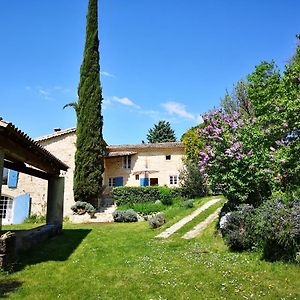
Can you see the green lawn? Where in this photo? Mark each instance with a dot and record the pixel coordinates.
(125, 261)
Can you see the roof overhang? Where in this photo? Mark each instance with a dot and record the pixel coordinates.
(120, 153)
(19, 149)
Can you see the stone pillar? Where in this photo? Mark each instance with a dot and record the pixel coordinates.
(55, 201)
(1, 177)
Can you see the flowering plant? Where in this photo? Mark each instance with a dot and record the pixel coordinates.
(235, 159)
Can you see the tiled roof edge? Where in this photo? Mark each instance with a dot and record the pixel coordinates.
(55, 134)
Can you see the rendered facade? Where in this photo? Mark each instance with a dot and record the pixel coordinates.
(128, 165)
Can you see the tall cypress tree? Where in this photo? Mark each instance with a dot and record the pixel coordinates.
(89, 162)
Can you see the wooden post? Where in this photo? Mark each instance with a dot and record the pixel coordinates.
(1, 176)
(55, 201)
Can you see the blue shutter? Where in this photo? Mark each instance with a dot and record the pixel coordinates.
(12, 180)
(144, 181)
(118, 181)
(21, 208)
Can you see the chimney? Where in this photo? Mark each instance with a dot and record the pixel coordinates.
(57, 129)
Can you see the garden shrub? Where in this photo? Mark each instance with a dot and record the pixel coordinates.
(235, 159)
(188, 203)
(125, 216)
(126, 194)
(278, 229)
(81, 207)
(157, 220)
(237, 228)
(166, 196)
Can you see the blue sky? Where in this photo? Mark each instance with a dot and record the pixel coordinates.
(160, 59)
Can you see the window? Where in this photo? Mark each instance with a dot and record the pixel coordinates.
(173, 179)
(127, 162)
(168, 157)
(153, 181)
(137, 177)
(5, 176)
(6, 204)
(111, 182)
(115, 181)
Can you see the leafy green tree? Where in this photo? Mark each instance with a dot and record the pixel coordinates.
(161, 133)
(192, 143)
(289, 150)
(90, 146)
(238, 100)
(248, 158)
(192, 180)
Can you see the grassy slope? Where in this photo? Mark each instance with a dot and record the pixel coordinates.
(125, 261)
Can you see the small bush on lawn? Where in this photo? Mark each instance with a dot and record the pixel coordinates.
(157, 220)
(126, 194)
(237, 228)
(188, 203)
(125, 216)
(81, 207)
(278, 229)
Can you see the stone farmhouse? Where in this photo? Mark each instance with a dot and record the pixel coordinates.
(125, 165)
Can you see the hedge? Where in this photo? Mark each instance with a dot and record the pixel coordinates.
(142, 194)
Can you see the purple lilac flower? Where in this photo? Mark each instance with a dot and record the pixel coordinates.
(235, 115)
(234, 125)
(228, 151)
(204, 117)
(250, 153)
(241, 122)
(236, 146)
(228, 120)
(239, 156)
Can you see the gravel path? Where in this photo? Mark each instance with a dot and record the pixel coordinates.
(187, 219)
(202, 225)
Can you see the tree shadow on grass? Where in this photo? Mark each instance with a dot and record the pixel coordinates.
(57, 248)
(7, 286)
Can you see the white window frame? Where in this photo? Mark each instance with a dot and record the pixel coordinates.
(6, 209)
(173, 180)
(127, 162)
(111, 181)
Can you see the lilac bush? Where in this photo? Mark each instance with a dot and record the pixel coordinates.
(235, 159)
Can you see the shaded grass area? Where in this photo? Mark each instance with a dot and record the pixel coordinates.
(125, 261)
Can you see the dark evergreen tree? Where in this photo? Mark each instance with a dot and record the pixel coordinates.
(161, 133)
(90, 147)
